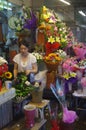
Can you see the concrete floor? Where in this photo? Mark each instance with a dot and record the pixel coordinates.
(19, 123)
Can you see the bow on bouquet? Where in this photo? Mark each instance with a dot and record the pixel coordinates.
(68, 116)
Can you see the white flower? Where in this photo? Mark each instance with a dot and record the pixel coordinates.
(36, 84)
(27, 83)
(3, 61)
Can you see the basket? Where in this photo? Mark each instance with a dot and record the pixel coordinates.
(51, 66)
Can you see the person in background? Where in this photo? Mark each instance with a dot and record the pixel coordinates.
(24, 61)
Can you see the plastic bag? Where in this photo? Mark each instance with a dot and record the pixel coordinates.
(41, 77)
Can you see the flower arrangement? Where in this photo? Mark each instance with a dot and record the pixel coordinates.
(55, 31)
(23, 86)
(70, 64)
(4, 73)
(26, 21)
(52, 60)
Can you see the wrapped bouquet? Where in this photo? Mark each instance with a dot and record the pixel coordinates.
(52, 61)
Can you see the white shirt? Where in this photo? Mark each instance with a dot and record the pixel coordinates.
(22, 66)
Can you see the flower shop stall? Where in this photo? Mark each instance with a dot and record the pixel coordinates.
(7, 93)
(57, 40)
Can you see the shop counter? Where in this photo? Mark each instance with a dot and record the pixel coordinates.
(6, 113)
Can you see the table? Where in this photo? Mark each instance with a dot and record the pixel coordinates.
(79, 98)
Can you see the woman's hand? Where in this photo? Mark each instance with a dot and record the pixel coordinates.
(27, 72)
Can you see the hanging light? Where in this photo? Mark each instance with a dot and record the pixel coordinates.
(64, 1)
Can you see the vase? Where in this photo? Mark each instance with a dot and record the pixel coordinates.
(52, 67)
(37, 96)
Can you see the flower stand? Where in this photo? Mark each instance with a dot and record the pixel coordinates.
(51, 77)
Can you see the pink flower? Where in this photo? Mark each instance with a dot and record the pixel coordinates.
(83, 81)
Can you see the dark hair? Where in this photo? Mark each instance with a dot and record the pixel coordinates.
(25, 43)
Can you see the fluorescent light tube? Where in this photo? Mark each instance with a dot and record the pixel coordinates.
(64, 1)
(82, 13)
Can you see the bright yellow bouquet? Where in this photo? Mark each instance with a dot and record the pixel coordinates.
(52, 60)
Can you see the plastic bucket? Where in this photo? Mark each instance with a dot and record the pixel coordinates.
(29, 111)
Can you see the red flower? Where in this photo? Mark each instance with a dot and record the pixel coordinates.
(49, 48)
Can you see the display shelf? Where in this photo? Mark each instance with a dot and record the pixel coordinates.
(6, 95)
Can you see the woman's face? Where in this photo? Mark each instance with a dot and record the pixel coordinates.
(23, 50)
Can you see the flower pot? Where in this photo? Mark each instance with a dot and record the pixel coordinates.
(37, 96)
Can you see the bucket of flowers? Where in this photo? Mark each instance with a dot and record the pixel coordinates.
(4, 73)
(52, 60)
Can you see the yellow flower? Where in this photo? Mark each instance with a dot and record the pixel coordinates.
(66, 76)
(57, 39)
(72, 74)
(51, 39)
(63, 40)
(8, 75)
(44, 9)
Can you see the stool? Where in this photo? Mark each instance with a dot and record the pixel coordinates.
(40, 107)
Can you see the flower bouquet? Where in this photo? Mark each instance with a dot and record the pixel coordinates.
(55, 31)
(70, 64)
(52, 60)
(68, 116)
(80, 50)
(4, 73)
